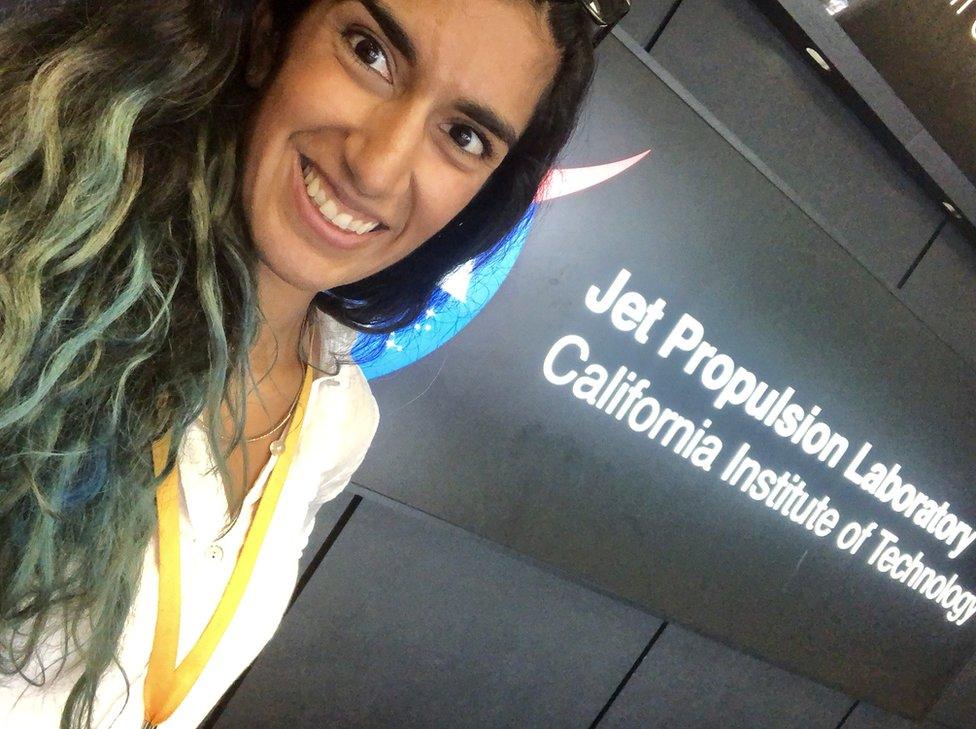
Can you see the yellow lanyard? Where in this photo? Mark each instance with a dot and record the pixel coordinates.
(166, 684)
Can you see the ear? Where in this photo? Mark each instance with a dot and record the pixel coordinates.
(261, 45)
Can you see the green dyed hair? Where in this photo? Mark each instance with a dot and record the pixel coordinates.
(127, 299)
(127, 302)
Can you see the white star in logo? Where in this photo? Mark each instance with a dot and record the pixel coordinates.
(457, 282)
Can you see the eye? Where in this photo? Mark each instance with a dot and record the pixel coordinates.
(368, 51)
(469, 140)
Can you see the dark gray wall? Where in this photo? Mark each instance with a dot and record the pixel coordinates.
(412, 622)
(701, 227)
(925, 52)
(775, 102)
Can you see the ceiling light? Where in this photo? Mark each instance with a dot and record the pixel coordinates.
(821, 61)
(835, 6)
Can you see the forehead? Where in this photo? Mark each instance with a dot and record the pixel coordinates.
(497, 52)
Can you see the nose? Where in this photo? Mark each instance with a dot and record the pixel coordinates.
(382, 152)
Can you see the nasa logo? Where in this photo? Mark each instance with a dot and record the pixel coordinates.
(465, 291)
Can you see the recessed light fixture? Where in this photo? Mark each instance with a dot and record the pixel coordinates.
(835, 6)
(815, 55)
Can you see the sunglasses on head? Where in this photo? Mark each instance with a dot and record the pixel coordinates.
(604, 13)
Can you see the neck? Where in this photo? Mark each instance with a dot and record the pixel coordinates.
(274, 357)
(284, 309)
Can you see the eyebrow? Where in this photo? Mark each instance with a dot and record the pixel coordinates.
(480, 113)
(489, 119)
(392, 28)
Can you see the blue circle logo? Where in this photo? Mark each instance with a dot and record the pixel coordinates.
(465, 291)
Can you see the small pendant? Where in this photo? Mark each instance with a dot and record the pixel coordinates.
(277, 447)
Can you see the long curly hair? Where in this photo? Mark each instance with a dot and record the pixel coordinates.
(127, 296)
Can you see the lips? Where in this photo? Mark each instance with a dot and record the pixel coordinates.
(324, 231)
(354, 209)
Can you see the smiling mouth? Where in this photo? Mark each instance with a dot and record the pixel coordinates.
(335, 212)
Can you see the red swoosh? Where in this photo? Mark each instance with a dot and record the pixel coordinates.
(568, 180)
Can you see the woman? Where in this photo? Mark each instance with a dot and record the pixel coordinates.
(201, 203)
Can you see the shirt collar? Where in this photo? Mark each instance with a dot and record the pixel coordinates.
(321, 447)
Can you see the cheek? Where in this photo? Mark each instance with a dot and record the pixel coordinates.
(255, 155)
(432, 211)
(443, 199)
(428, 218)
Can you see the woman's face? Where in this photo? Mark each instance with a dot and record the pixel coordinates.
(386, 117)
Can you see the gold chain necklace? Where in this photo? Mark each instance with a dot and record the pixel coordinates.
(276, 446)
(291, 410)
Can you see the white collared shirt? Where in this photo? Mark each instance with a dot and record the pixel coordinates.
(339, 424)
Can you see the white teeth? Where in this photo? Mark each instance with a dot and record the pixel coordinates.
(330, 208)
